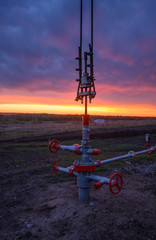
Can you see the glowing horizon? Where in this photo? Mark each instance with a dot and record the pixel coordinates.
(122, 110)
(37, 61)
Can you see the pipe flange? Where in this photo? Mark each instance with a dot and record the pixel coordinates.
(82, 168)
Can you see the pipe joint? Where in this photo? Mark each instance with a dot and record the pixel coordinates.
(98, 184)
(132, 154)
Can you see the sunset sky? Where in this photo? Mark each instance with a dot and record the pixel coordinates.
(39, 42)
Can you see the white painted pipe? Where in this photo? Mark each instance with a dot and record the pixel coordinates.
(66, 170)
(130, 155)
(98, 178)
(112, 159)
(68, 148)
(78, 149)
(146, 151)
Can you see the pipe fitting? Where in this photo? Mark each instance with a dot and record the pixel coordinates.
(132, 154)
(98, 184)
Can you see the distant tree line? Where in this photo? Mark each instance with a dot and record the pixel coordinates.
(39, 118)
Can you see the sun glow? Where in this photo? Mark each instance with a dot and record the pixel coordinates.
(124, 110)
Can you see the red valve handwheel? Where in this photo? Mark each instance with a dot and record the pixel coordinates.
(54, 145)
(117, 182)
(55, 167)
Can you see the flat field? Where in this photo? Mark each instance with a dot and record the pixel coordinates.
(33, 205)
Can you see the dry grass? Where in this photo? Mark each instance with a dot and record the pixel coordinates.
(38, 127)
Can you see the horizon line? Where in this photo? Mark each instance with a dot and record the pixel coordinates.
(109, 110)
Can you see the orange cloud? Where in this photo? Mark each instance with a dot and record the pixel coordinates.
(65, 104)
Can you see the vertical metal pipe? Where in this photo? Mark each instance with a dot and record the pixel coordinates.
(81, 5)
(85, 105)
(92, 24)
(84, 196)
(91, 48)
(81, 24)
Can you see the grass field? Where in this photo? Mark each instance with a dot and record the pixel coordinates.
(36, 206)
(34, 155)
(14, 126)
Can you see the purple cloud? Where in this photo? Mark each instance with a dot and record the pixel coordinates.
(39, 40)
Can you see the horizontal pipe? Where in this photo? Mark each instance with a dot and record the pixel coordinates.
(98, 178)
(61, 169)
(112, 159)
(66, 170)
(68, 148)
(130, 155)
(78, 149)
(145, 151)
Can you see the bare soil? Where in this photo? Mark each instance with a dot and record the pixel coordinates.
(35, 206)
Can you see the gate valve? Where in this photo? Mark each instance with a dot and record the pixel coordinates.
(115, 183)
(98, 184)
(54, 146)
(55, 167)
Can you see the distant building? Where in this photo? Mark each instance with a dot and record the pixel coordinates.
(99, 121)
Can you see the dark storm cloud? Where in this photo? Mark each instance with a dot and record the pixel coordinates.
(39, 40)
(34, 42)
(127, 39)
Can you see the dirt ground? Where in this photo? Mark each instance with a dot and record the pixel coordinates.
(35, 206)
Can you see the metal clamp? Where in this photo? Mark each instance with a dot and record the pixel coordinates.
(132, 154)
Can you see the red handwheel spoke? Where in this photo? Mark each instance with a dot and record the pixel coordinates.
(114, 183)
(118, 187)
